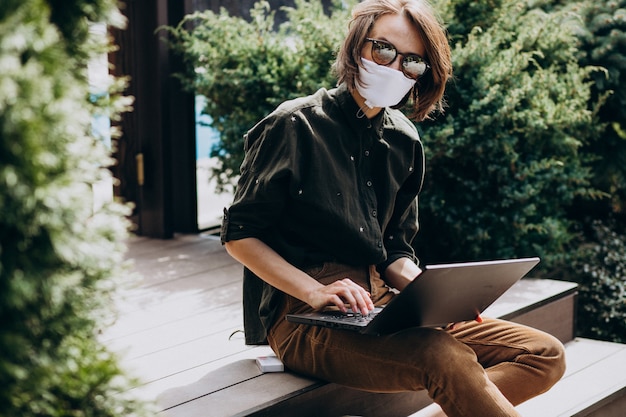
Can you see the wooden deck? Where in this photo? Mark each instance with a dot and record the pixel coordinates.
(180, 319)
(179, 316)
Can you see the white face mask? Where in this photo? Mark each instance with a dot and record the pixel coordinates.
(382, 86)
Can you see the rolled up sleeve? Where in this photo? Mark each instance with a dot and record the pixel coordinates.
(262, 187)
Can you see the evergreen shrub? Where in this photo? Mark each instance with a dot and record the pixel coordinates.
(603, 37)
(504, 162)
(599, 267)
(599, 255)
(59, 253)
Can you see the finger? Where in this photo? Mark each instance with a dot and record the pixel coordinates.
(359, 299)
(337, 301)
(348, 297)
(343, 293)
(360, 305)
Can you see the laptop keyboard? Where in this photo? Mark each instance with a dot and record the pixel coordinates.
(356, 318)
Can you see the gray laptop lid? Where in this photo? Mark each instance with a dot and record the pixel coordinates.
(440, 295)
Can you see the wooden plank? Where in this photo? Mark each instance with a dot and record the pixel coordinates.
(223, 378)
(175, 333)
(244, 396)
(584, 353)
(528, 294)
(612, 406)
(600, 376)
(176, 320)
(155, 389)
(544, 304)
(155, 297)
(556, 318)
(170, 308)
(141, 246)
(192, 275)
(337, 400)
(183, 357)
(175, 261)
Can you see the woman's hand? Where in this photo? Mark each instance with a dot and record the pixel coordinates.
(341, 293)
(276, 271)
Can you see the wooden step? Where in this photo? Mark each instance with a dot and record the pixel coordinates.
(544, 304)
(177, 333)
(240, 389)
(594, 384)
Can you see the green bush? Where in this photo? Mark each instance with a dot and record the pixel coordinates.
(599, 257)
(599, 267)
(245, 69)
(604, 45)
(504, 163)
(529, 159)
(59, 253)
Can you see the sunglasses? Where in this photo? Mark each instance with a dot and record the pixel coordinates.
(383, 53)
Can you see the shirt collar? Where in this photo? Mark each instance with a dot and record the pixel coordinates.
(352, 111)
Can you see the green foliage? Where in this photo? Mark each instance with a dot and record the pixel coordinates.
(604, 42)
(59, 253)
(599, 267)
(604, 45)
(245, 69)
(504, 162)
(464, 15)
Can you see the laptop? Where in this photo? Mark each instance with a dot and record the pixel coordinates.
(440, 295)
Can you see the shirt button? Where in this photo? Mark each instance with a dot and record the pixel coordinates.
(361, 229)
(367, 153)
(369, 183)
(379, 244)
(374, 213)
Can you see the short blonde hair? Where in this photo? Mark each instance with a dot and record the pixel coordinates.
(427, 94)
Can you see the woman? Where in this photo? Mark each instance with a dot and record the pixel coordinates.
(325, 213)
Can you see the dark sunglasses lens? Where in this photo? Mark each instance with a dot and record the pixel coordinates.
(414, 66)
(383, 53)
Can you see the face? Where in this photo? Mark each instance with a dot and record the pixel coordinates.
(397, 30)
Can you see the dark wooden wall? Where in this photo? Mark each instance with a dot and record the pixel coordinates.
(161, 126)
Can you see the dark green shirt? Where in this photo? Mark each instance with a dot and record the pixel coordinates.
(320, 184)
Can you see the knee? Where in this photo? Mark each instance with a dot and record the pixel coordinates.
(555, 352)
(549, 358)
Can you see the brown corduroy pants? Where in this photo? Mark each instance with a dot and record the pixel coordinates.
(477, 369)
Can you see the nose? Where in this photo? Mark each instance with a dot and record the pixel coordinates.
(397, 62)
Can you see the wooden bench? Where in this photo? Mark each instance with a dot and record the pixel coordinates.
(594, 384)
(176, 332)
(240, 389)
